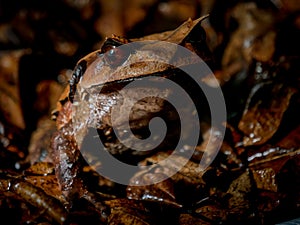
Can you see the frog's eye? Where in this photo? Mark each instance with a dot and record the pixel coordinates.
(106, 47)
(116, 56)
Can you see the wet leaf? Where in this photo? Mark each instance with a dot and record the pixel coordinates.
(264, 111)
(191, 172)
(40, 168)
(162, 191)
(48, 183)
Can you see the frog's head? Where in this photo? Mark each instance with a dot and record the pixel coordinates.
(117, 61)
(91, 69)
(122, 60)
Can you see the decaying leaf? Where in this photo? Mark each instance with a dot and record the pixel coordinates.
(264, 111)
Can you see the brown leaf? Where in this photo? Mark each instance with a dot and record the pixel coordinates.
(265, 179)
(240, 191)
(264, 110)
(187, 219)
(49, 184)
(291, 140)
(10, 101)
(126, 211)
(161, 192)
(40, 168)
(187, 171)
